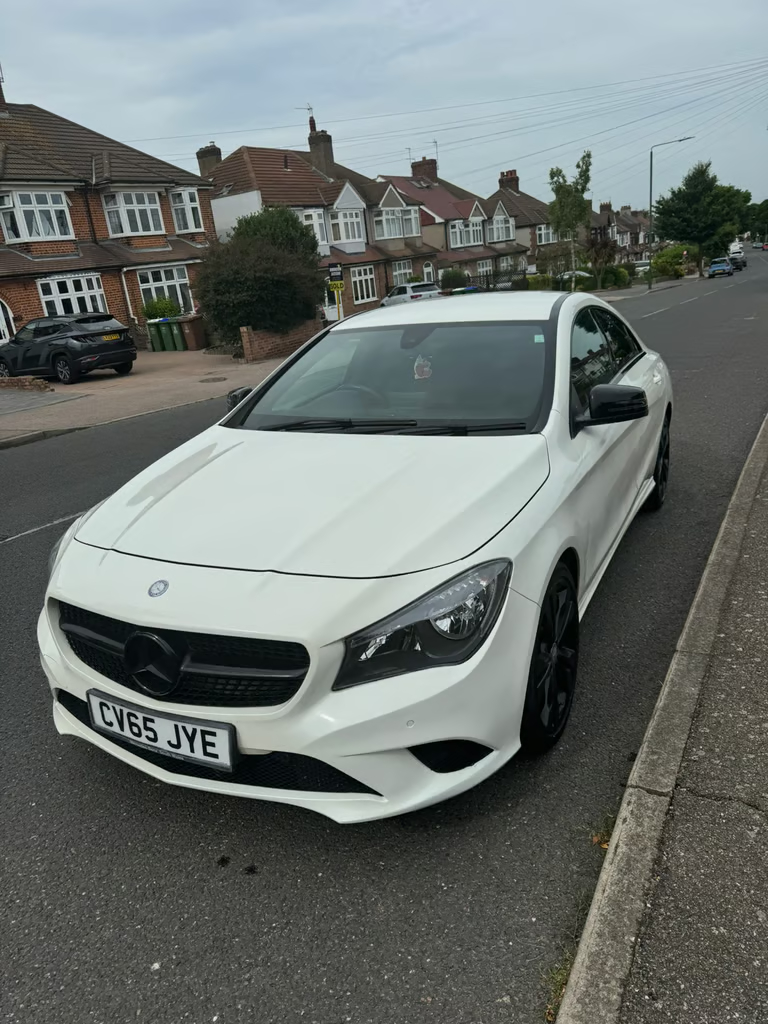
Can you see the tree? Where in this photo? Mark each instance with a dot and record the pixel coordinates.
(570, 210)
(757, 220)
(248, 281)
(601, 253)
(281, 228)
(453, 277)
(555, 258)
(701, 212)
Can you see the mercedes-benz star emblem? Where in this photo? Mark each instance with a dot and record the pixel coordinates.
(158, 588)
(153, 663)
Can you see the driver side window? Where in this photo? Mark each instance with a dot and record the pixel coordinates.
(26, 333)
(591, 360)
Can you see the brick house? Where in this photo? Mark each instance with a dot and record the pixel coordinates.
(627, 227)
(467, 232)
(89, 224)
(531, 215)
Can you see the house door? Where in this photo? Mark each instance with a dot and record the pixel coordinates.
(7, 329)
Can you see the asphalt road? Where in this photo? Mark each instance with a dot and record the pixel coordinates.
(129, 900)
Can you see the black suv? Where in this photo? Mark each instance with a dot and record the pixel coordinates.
(67, 347)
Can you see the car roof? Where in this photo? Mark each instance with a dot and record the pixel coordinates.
(535, 305)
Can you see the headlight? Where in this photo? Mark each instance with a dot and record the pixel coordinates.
(445, 627)
(55, 554)
(68, 535)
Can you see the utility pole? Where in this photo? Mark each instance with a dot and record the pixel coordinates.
(671, 142)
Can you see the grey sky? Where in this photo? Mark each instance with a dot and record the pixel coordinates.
(153, 69)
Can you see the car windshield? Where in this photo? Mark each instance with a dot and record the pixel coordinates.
(439, 378)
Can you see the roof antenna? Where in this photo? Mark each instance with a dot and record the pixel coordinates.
(410, 158)
(2, 79)
(434, 143)
(310, 111)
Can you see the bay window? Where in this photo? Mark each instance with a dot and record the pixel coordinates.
(545, 234)
(315, 219)
(73, 293)
(501, 229)
(363, 284)
(402, 270)
(166, 283)
(389, 223)
(34, 216)
(346, 225)
(484, 268)
(133, 213)
(466, 232)
(186, 211)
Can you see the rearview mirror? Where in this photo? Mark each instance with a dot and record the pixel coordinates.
(614, 403)
(234, 398)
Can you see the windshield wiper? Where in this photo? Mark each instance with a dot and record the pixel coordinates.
(461, 429)
(341, 424)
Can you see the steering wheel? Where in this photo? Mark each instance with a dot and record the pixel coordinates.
(370, 393)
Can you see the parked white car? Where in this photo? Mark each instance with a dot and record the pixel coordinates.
(414, 290)
(420, 504)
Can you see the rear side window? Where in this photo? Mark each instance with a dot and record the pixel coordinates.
(591, 359)
(424, 287)
(623, 343)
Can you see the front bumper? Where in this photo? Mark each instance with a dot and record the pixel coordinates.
(365, 733)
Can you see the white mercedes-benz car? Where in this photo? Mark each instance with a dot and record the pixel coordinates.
(360, 592)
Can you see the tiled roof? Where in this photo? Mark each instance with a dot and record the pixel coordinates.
(369, 255)
(443, 199)
(475, 252)
(527, 210)
(282, 177)
(40, 146)
(96, 256)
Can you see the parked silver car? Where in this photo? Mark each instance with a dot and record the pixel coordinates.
(413, 290)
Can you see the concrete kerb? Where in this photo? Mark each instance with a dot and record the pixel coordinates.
(604, 958)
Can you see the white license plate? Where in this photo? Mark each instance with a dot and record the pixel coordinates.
(190, 739)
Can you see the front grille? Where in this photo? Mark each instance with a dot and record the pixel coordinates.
(217, 671)
(278, 770)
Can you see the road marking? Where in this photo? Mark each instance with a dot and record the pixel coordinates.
(662, 310)
(689, 300)
(45, 526)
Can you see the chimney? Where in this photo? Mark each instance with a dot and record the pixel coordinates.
(626, 209)
(509, 179)
(606, 207)
(207, 158)
(425, 168)
(321, 150)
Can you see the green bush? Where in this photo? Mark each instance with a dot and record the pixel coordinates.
(609, 277)
(586, 284)
(539, 282)
(453, 278)
(670, 262)
(157, 309)
(631, 270)
(622, 276)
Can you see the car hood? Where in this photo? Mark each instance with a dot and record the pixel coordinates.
(324, 504)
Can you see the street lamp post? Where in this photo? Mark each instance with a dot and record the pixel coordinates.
(671, 142)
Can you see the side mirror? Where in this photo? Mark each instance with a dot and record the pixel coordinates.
(234, 398)
(614, 403)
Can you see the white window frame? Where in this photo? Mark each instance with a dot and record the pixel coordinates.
(484, 268)
(476, 231)
(35, 216)
(315, 219)
(402, 271)
(466, 232)
(127, 206)
(70, 294)
(185, 207)
(166, 283)
(7, 324)
(505, 263)
(390, 222)
(363, 284)
(545, 234)
(347, 226)
(501, 229)
(428, 273)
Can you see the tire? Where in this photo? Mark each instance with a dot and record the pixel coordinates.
(64, 369)
(5, 370)
(658, 495)
(123, 369)
(554, 663)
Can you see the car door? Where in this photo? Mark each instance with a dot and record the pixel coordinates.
(35, 359)
(606, 486)
(17, 349)
(641, 369)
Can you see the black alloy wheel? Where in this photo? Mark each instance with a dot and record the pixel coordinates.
(5, 370)
(64, 370)
(552, 675)
(658, 495)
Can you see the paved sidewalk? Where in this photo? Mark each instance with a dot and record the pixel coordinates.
(160, 380)
(678, 928)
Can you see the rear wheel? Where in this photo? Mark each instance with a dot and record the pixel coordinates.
(552, 675)
(658, 495)
(64, 369)
(123, 368)
(5, 370)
